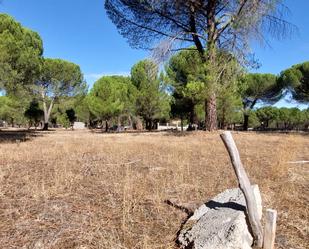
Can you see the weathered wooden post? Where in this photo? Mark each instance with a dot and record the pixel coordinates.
(245, 186)
(270, 229)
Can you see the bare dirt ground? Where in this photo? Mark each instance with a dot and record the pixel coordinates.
(72, 189)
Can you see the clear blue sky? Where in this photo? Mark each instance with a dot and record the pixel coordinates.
(79, 31)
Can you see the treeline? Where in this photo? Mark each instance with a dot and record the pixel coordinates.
(283, 118)
(42, 91)
(273, 118)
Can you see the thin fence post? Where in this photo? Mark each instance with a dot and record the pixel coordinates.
(270, 229)
(245, 186)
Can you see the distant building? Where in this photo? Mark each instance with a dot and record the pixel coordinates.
(79, 125)
(173, 125)
(3, 123)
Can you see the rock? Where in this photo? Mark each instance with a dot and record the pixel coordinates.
(220, 223)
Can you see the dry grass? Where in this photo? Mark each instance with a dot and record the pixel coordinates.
(85, 190)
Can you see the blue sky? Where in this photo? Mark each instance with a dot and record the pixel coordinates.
(79, 31)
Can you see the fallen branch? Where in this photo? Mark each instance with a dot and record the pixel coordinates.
(182, 207)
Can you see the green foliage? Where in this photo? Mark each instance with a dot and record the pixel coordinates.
(63, 120)
(111, 96)
(228, 106)
(71, 115)
(199, 110)
(266, 115)
(254, 88)
(194, 91)
(152, 101)
(282, 118)
(296, 79)
(191, 78)
(20, 54)
(64, 113)
(289, 118)
(60, 78)
(143, 74)
(180, 69)
(6, 108)
(229, 102)
(259, 87)
(12, 109)
(34, 113)
(253, 119)
(82, 110)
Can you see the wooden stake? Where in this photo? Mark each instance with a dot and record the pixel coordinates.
(270, 229)
(245, 186)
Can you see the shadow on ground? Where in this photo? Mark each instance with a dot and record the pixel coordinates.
(136, 132)
(290, 132)
(175, 133)
(19, 136)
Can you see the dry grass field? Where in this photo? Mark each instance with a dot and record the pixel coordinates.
(77, 189)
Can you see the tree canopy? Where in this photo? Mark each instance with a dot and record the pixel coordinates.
(191, 89)
(180, 70)
(111, 96)
(230, 24)
(266, 115)
(20, 54)
(296, 79)
(152, 102)
(258, 87)
(34, 113)
(58, 78)
(12, 109)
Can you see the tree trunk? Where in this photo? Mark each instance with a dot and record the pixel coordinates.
(45, 127)
(246, 115)
(47, 113)
(148, 124)
(211, 113)
(210, 58)
(211, 107)
(246, 122)
(118, 124)
(192, 115)
(223, 123)
(106, 125)
(181, 123)
(130, 121)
